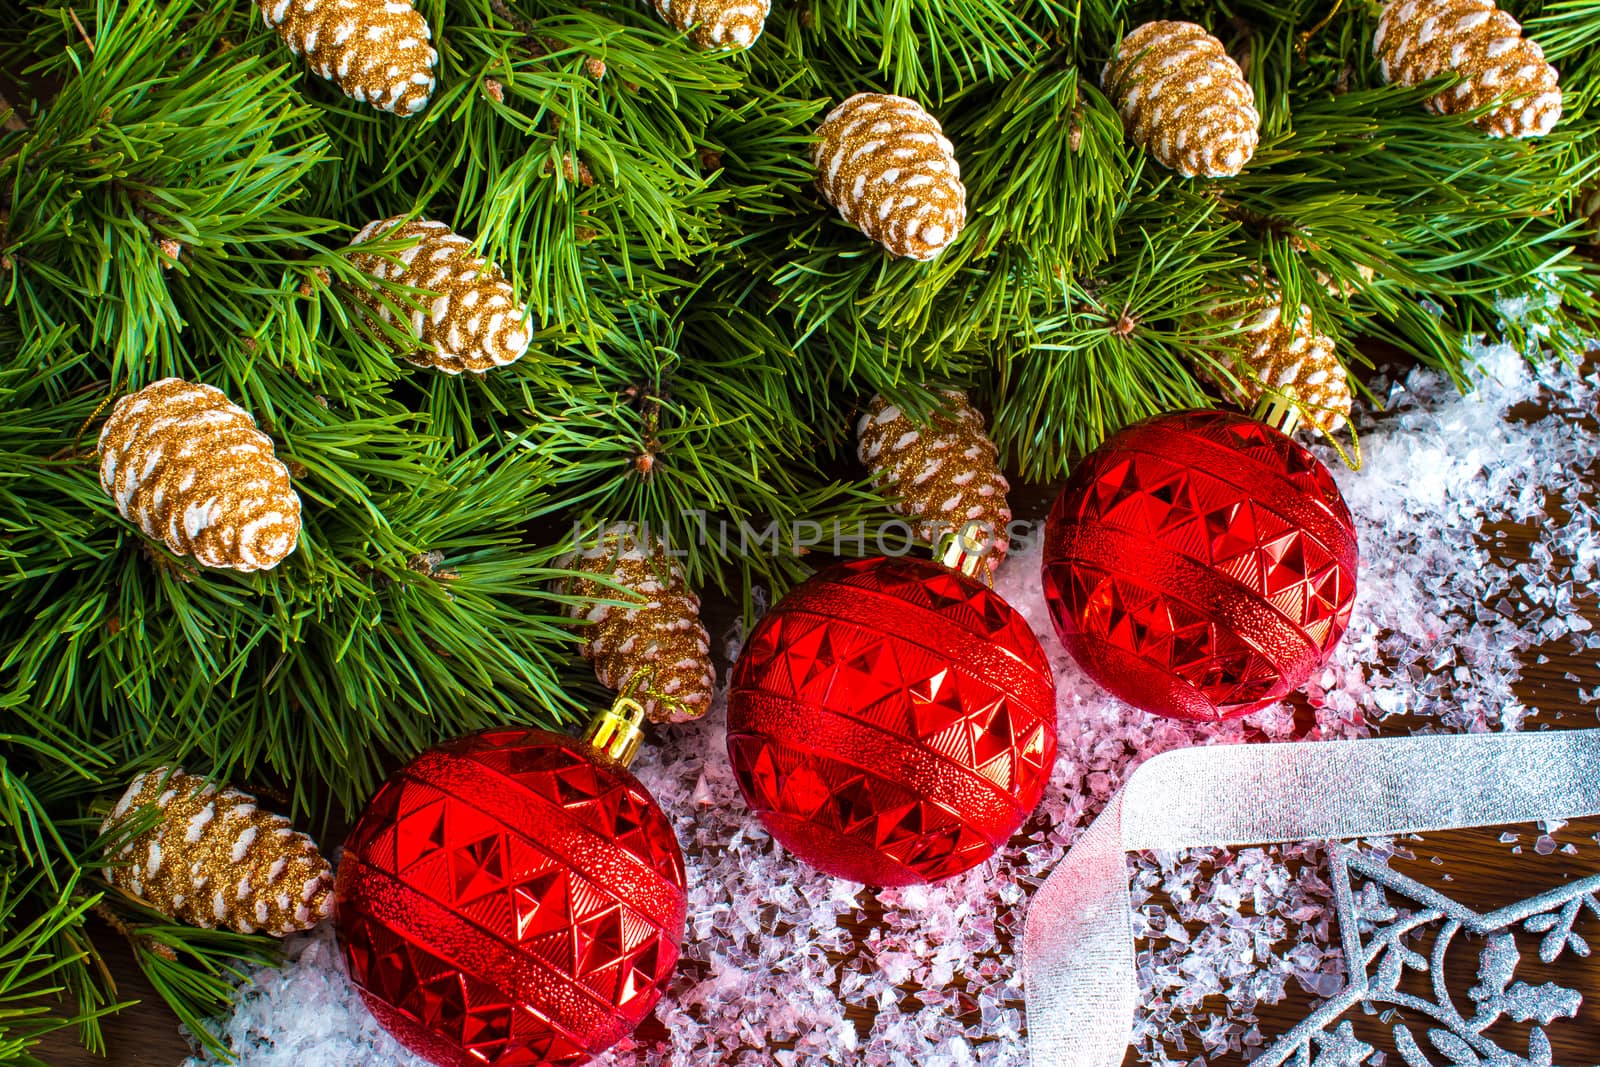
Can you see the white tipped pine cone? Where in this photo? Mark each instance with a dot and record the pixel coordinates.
(710, 24)
(375, 51)
(474, 323)
(1418, 40)
(945, 472)
(887, 166)
(659, 641)
(1277, 357)
(1184, 99)
(215, 859)
(191, 469)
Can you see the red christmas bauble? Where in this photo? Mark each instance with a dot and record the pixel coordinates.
(892, 721)
(1200, 565)
(511, 898)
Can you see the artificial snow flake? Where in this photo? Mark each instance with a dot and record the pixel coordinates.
(1375, 931)
(1341, 1048)
(1557, 928)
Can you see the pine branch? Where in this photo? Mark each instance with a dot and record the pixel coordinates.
(693, 429)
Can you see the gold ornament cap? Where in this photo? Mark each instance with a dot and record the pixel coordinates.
(967, 552)
(618, 731)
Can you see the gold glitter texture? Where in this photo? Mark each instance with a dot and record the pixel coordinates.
(945, 473)
(375, 51)
(474, 322)
(887, 166)
(1184, 99)
(717, 24)
(1421, 39)
(191, 469)
(1274, 355)
(657, 642)
(215, 859)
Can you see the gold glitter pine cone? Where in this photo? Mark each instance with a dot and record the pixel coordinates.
(1274, 356)
(888, 168)
(945, 473)
(1184, 99)
(189, 467)
(658, 642)
(716, 24)
(1418, 40)
(474, 322)
(376, 51)
(215, 859)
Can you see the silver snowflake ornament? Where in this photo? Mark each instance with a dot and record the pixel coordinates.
(1388, 909)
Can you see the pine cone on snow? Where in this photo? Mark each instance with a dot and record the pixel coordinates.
(1276, 356)
(1184, 99)
(474, 323)
(658, 641)
(887, 166)
(945, 473)
(1418, 40)
(191, 469)
(375, 51)
(215, 859)
(730, 24)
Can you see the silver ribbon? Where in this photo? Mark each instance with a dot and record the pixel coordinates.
(1077, 948)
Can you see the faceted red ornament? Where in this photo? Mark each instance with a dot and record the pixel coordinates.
(511, 898)
(892, 721)
(1200, 565)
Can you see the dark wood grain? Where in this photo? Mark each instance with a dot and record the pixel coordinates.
(1482, 870)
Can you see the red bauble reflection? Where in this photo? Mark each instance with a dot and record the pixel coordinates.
(892, 721)
(511, 898)
(1200, 565)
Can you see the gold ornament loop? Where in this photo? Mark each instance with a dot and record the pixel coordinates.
(618, 731)
(965, 551)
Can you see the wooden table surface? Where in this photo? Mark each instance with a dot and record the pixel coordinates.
(1476, 860)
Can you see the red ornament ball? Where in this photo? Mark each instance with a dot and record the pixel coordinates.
(511, 898)
(1200, 565)
(892, 721)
